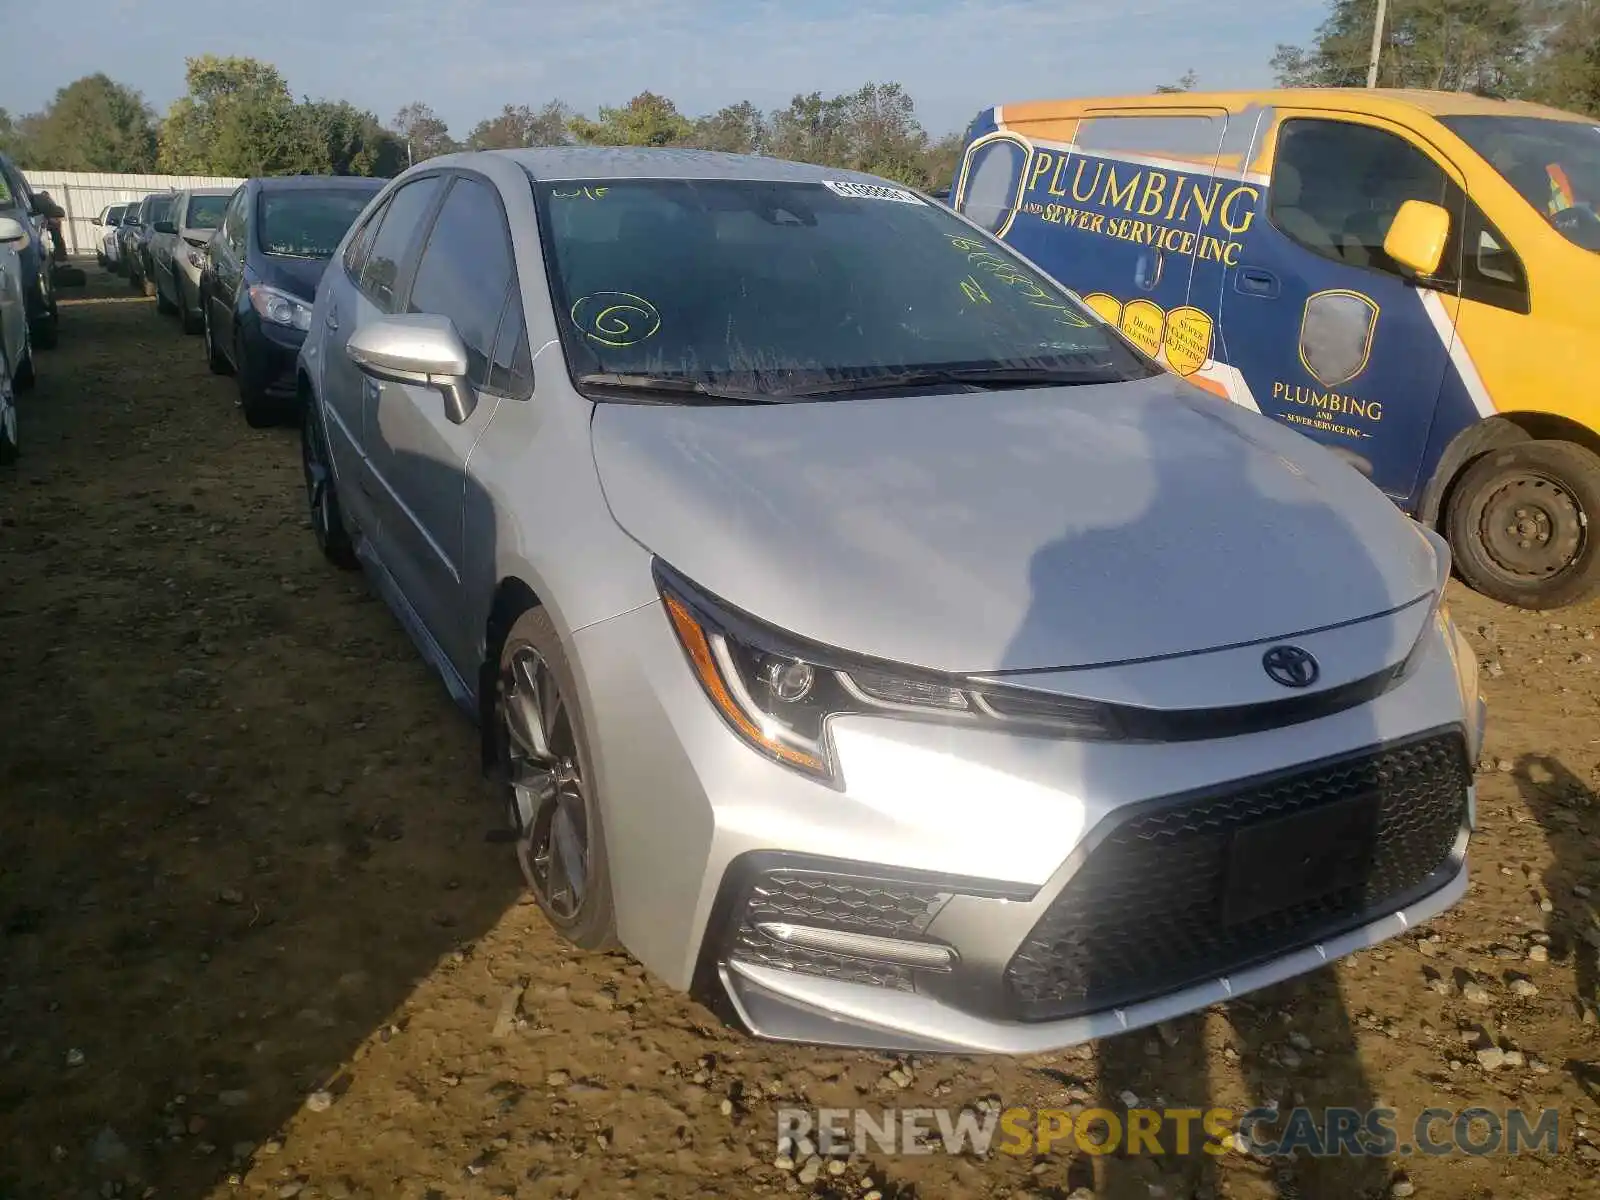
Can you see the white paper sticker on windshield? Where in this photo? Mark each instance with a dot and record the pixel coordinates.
(869, 191)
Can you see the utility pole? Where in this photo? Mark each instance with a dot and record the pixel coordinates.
(1377, 43)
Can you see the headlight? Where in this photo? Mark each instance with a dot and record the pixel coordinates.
(195, 261)
(779, 693)
(279, 307)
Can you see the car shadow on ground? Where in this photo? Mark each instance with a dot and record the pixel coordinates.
(239, 824)
(1286, 1047)
(1563, 805)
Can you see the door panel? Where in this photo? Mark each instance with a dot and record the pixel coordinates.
(1329, 335)
(419, 456)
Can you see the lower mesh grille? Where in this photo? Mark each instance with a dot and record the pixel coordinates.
(1149, 910)
(885, 908)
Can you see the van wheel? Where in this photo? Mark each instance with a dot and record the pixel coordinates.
(1520, 522)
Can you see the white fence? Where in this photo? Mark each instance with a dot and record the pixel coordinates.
(84, 194)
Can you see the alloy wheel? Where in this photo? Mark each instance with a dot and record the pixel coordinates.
(549, 798)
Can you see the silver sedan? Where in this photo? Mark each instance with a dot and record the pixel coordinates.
(865, 635)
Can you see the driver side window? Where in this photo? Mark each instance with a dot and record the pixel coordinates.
(1337, 187)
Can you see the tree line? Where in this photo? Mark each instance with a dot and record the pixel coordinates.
(1542, 50)
(238, 118)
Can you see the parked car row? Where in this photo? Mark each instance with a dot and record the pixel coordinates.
(240, 267)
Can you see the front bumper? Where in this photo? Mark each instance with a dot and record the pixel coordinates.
(785, 1005)
(974, 891)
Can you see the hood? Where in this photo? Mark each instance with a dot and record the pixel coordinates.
(1011, 530)
(297, 276)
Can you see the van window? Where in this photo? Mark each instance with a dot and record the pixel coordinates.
(1337, 187)
(1491, 269)
(1555, 165)
(1187, 138)
(993, 172)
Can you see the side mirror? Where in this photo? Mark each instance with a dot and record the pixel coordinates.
(96, 221)
(421, 349)
(1418, 237)
(166, 227)
(13, 234)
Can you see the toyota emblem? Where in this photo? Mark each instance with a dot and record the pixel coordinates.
(1291, 666)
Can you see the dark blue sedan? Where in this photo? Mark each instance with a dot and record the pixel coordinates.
(260, 277)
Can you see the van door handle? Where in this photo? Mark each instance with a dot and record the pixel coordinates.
(1253, 281)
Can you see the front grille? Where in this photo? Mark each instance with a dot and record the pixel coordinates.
(1147, 913)
(886, 908)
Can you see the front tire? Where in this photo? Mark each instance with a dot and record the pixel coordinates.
(260, 410)
(546, 773)
(164, 306)
(215, 359)
(1520, 524)
(322, 497)
(191, 324)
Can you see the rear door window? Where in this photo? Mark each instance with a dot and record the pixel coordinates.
(401, 225)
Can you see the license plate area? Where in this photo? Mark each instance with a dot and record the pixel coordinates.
(1291, 860)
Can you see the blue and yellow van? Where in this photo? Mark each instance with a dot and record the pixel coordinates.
(1410, 277)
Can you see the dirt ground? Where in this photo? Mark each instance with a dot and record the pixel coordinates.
(257, 942)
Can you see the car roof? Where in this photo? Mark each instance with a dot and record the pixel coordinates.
(642, 162)
(210, 191)
(289, 183)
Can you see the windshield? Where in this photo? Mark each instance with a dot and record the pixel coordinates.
(308, 223)
(205, 212)
(776, 289)
(1554, 164)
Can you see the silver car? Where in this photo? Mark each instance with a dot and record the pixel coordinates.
(865, 634)
(177, 251)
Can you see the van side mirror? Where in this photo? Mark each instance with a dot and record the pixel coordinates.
(1418, 237)
(421, 349)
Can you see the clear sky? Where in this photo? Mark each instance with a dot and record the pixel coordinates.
(466, 58)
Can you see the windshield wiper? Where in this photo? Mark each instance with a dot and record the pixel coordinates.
(984, 377)
(672, 386)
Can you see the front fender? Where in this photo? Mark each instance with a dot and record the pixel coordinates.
(1477, 439)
